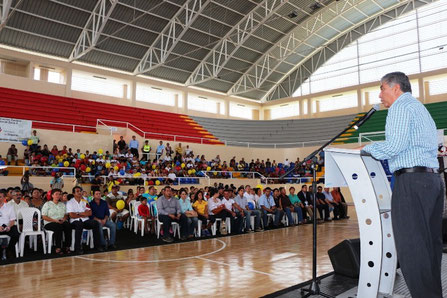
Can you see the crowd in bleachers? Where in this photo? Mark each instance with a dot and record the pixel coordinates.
(132, 160)
(168, 213)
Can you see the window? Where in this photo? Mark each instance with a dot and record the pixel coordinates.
(55, 77)
(413, 43)
(48, 74)
(37, 74)
(202, 104)
(437, 85)
(155, 95)
(337, 102)
(241, 111)
(98, 84)
(305, 107)
(285, 110)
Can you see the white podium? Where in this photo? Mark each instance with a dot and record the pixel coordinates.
(371, 194)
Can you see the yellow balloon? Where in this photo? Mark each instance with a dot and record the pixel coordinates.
(115, 168)
(183, 165)
(137, 174)
(93, 162)
(193, 171)
(66, 164)
(189, 172)
(120, 205)
(215, 173)
(208, 168)
(259, 186)
(153, 167)
(30, 142)
(82, 156)
(60, 160)
(100, 151)
(88, 169)
(157, 182)
(108, 165)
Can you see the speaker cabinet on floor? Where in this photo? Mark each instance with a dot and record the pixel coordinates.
(345, 258)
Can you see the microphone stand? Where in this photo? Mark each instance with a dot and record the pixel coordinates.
(314, 288)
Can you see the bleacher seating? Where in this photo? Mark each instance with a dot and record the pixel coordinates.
(265, 133)
(64, 110)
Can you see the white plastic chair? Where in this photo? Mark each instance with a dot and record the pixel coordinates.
(214, 226)
(49, 239)
(132, 212)
(16, 246)
(136, 219)
(175, 226)
(89, 240)
(28, 228)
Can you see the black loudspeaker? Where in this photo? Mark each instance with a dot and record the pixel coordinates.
(345, 257)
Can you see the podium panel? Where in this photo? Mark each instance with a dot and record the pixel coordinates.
(371, 194)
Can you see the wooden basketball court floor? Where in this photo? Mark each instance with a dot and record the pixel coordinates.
(249, 265)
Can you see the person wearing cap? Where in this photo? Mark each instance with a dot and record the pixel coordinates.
(417, 203)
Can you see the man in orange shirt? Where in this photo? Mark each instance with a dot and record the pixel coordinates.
(338, 198)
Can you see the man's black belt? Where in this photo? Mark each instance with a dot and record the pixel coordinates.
(416, 170)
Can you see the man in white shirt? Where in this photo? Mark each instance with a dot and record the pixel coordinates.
(7, 224)
(17, 203)
(232, 206)
(79, 212)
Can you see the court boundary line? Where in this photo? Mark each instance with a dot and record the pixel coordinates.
(224, 245)
(243, 268)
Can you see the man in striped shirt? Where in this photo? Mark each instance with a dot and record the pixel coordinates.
(417, 202)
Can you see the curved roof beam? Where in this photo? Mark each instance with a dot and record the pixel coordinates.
(305, 68)
(224, 50)
(166, 41)
(6, 11)
(330, 20)
(93, 28)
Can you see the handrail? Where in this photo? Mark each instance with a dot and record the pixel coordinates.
(64, 124)
(130, 176)
(226, 142)
(234, 172)
(31, 167)
(370, 134)
(309, 178)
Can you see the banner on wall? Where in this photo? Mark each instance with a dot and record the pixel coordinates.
(14, 130)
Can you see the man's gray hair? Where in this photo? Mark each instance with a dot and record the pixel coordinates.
(398, 78)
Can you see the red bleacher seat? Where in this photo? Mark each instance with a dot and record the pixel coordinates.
(65, 110)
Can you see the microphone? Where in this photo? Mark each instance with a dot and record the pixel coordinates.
(367, 116)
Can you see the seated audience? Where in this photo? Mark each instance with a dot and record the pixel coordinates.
(169, 211)
(111, 199)
(232, 206)
(191, 215)
(100, 213)
(288, 207)
(201, 207)
(12, 154)
(144, 213)
(338, 197)
(241, 200)
(322, 204)
(79, 212)
(337, 208)
(54, 215)
(16, 203)
(267, 204)
(7, 226)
